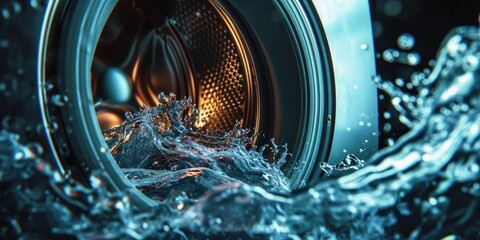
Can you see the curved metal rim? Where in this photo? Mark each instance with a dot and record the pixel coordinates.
(75, 57)
(314, 136)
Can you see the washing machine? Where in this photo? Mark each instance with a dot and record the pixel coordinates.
(298, 71)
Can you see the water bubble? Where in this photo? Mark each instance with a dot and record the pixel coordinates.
(471, 62)
(413, 59)
(406, 41)
(400, 82)
(387, 115)
(387, 127)
(392, 8)
(53, 126)
(454, 45)
(16, 7)
(390, 55)
(361, 123)
(59, 100)
(35, 147)
(395, 56)
(35, 4)
(5, 13)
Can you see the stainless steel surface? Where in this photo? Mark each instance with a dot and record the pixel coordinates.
(188, 47)
(348, 30)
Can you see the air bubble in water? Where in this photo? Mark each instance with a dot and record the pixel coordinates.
(406, 41)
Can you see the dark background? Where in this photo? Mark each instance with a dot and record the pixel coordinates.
(429, 21)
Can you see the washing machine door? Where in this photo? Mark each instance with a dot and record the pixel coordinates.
(298, 71)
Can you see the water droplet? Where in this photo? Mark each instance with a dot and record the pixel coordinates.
(5, 13)
(392, 8)
(4, 43)
(395, 56)
(390, 55)
(59, 100)
(471, 62)
(35, 148)
(413, 59)
(361, 123)
(400, 82)
(386, 115)
(53, 126)
(406, 41)
(103, 149)
(35, 4)
(166, 228)
(16, 7)
(387, 127)
(364, 46)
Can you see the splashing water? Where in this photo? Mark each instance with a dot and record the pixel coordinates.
(427, 185)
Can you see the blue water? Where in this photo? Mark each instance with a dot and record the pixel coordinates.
(213, 185)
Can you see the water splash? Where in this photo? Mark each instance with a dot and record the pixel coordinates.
(427, 185)
(159, 138)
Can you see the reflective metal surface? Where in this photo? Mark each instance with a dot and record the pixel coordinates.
(191, 48)
(349, 35)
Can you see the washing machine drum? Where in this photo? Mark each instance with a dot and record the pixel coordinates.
(297, 71)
